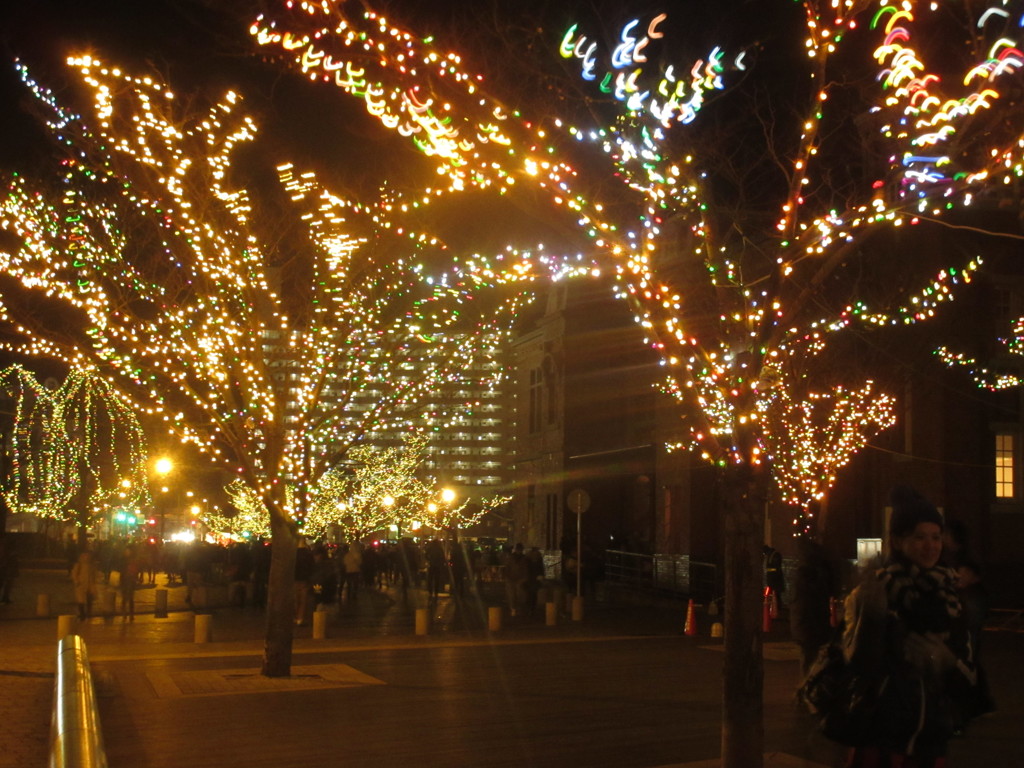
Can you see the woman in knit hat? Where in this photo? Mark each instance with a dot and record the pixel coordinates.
(907, 641)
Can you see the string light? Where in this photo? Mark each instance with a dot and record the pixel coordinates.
(74, 452)
(155, 255)
(717, 370)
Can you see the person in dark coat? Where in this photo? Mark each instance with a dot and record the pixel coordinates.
(815, 583)
(907, 641)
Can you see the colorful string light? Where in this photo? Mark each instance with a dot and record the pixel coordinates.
(158, 259)
(766, 319)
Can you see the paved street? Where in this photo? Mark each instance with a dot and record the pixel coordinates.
(624, 687)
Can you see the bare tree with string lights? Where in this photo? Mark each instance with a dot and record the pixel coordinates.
(748, 255)
(163, 275)
(75, 454)
(375, 489)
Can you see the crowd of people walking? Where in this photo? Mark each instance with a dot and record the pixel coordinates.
(324, 574)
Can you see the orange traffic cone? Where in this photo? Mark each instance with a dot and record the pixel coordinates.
(691, 620)
(766, 615)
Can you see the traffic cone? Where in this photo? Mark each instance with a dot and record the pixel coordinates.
(691, 620)
(766, 615)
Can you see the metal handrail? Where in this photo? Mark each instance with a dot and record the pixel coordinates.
(76, 740)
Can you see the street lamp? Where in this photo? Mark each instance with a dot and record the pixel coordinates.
(163, 468)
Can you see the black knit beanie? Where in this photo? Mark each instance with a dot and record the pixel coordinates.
(910, 508)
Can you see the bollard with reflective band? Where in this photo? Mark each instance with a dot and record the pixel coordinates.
(717, 629)
(422, 621)
(160, 603)
(204, 627)
(494, 618)
(319, 623)
(43, 606)
(551, 613)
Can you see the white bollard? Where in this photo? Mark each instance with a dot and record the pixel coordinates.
(577, 608)
(43, 606)
(494, 618)
(551, 613)
(204, 626)
(422, 621)
(67, 624)
(319, 623)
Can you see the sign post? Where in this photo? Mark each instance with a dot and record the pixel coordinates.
(579, 502)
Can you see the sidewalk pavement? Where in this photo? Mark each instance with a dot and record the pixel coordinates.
(381, 627)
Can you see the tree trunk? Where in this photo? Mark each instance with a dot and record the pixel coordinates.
(743, 678)
(277, 650)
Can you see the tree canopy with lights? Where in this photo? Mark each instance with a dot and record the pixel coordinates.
(275, 335)
(375, 489)
(738, 303)
(747, 217)
(74, 453)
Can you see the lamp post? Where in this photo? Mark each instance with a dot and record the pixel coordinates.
(163, 468)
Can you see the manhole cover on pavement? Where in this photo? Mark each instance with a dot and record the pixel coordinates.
(217, 682)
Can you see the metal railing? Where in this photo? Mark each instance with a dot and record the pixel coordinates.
(672, 574)
(76, 740)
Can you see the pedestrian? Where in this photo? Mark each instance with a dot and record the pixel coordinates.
(130, 569)
(517, 571)
(304, 565)
(815, 583)
(352, 563)
(534, 576)
(774, 578)
(84, 574)
(239, 572)
(459, 569)
(195, 566)
(974, 597)
(324, 584)
(9, 568)
(907, 643)
(433, 553)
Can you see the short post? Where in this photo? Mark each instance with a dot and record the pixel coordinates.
(160, 603)
(66, 625)
(577, 608)
(551, 613)
(422, 621)
(204, 624)
(43, 605)
(494, 618)
(319, 623)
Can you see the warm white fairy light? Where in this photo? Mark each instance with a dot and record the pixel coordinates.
(416, 88)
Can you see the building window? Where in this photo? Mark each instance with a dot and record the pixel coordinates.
(1005, 467)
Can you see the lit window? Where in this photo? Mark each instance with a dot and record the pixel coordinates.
(1005, 467)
